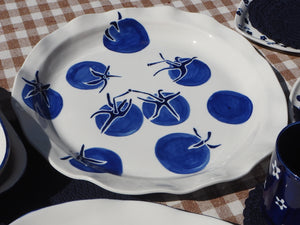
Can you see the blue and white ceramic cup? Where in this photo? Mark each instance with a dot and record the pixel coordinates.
(281, 195)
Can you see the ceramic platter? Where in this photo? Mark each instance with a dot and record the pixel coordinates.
(149, 100)
(105, 211)
(243, 25)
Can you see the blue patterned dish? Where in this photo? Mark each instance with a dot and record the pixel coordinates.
(124, 100)
(243, 26)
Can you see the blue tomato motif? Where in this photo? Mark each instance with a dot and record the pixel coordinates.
(183, 153)
(121, 118)
(230, 107)
(41, 98)
(185, 71)
(125, 36)
(97, 160)
(166, 108)
(89, 75)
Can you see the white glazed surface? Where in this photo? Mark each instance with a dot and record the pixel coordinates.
(243, 26)
(106, 211)
(234, 63)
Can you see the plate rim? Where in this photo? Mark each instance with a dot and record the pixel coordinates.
(4, 159)
(114, 204)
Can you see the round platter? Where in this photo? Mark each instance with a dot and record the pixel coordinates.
(149, 100)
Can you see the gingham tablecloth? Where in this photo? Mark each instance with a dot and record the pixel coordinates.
(24, 23)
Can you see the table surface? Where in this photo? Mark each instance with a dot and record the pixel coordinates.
(24, 23)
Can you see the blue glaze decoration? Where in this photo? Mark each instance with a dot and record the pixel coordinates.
(185, 71)
(121, 118)
(183, 153)
(41, 98)
(230, 107)
(281, 194)
(125, 36)
(97, 160)
(166, 108)
(89, 75)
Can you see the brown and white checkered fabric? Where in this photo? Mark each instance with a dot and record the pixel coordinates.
(24, 23)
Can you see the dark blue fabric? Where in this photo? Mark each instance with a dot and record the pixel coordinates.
(279, 20)
(253, 214)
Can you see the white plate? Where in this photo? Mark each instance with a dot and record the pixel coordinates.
(146, 164)
(17, 160)
(4, 146)
(294, 104)
(107, 211)
(243, 25)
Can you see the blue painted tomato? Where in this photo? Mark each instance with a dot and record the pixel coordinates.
(183, 153)
(126, 36)
(230, 107)
(41, 98)
(97, 160)
(166, 108)
(120, 118)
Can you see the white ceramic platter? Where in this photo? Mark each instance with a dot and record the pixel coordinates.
(4, 146)
(294, 102)
(243, 26)
(149, 100)
(108, 211)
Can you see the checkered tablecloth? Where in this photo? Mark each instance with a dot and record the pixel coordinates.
(24, 23)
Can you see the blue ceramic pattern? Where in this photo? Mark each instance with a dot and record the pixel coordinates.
(230, 107)
(123, 118)
(165, 108)
(184, 153)
(125, 36)
(97, 160)
(185, 71)
(41, 98)
(118, 118)
(282, 207)
(89, 75)
(181, 153)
